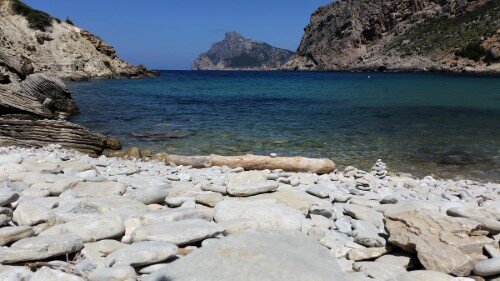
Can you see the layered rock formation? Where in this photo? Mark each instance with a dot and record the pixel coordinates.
(237, 53)
(33, 41)
(402, 35)
(28, 113)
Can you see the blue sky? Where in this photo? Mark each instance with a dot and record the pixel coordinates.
(169, 34)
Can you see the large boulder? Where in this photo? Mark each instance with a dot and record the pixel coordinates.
(442, 243)
(256, 255)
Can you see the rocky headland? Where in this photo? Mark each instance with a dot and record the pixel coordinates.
(402, 35)
(33, 41)
(67, 216)
(238, 53)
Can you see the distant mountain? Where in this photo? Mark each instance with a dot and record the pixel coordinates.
(402, 35)
(237, 53)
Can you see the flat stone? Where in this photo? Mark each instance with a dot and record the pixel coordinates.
(244, 178)
(403, 259)
(320, 191)
(215, 188)
(488, 267)
(49, 274)
(32, 214)
(15, 273)
(14, 233)
(268, 215)
(251, 189)
(170, 215)
(39, 248)
(7, 198)
(256, 255)
(209, 199)
(424, 275)
(367, 253)
(124, 207)
(180, 233)
(147, 196)
(93, 228)
(380, 271)
(365, 213)
(99, 189)
(177, 201)
(141, 253)
(62, 185)
(96, 252)
(119, 273)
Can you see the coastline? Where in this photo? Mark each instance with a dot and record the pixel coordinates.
(129, 199)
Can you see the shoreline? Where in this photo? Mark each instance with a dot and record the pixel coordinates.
(94, 214)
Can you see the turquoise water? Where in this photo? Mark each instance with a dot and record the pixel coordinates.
(441, 124)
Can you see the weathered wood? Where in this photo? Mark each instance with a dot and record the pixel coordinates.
(38, 133)
(255, 162)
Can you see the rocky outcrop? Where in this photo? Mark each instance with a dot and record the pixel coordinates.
(402, 35)
(237, 53)
(33, 41)
(28, 113)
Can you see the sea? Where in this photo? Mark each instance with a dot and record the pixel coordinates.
(443, 125)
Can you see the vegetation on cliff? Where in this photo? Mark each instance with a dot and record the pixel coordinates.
(37, 20)
(460, 34)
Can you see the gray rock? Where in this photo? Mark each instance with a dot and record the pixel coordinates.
(141, 253)
(251, 189)
(14, 233)
(119, 273)
(90, 229)
(209, 199)
(320, 191)
(39, 248)
(365, 213)
(111, 205)
(15, 273)
(147, 195)
(7, 198)
(269, 215)
(179, 233)
(5, 215)
(244, 178)
(404, 259)
(488, 267)
(99, 189)
(49, 274)
(95, 253)
(380, 271)
(170, 215)
(256, 255)
(424, 275)
(215, 188)
(33, 214)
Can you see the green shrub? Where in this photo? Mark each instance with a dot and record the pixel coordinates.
(36, 19)
(490, 57)
(473, 51)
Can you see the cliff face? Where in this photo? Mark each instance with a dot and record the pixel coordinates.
(238, 53)
(422, 35)
(34, 40)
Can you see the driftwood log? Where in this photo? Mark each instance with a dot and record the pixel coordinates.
(254, 162)
(38, 133)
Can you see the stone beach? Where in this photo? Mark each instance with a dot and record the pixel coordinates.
(65, 215)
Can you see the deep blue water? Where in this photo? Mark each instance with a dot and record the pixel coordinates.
(442, 124)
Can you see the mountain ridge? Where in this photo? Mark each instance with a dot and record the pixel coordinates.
(235, 52)
(402, 35)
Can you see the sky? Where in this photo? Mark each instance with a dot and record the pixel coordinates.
(170, 34)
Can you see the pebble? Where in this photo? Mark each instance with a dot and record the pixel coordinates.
(56, 202)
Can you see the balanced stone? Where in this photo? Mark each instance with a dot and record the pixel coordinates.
(320, 191)
(141, 253)
(364, 213)
(180, 233)
(99, 189)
